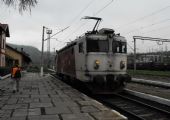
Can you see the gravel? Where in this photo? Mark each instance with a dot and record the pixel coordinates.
(156, 91)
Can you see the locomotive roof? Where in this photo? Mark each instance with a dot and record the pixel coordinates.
(120, 38)
(102, 34)
(72, 43)
(68, 45)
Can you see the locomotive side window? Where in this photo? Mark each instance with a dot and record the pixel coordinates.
(97, 46)
(81, 48)
(119, 47)
(124, 48)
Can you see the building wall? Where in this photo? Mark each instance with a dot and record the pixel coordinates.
(2, 49)
(14, 55)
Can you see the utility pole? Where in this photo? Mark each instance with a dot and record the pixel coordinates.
(48, 46)
(42, 52)
(54, 60)
(134, 59)
(49, 32)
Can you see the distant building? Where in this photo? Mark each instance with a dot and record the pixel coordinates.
(156, 57)
(4, 32)
(14, 56)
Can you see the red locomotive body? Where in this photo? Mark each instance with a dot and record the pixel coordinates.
(66, 61)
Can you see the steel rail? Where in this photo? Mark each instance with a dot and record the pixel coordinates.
(130, 113)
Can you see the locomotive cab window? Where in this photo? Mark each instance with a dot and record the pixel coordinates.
(119, 47)
(97, 45)
(81, 48)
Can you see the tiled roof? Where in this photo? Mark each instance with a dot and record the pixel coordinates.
(5, 28)
(25, 55)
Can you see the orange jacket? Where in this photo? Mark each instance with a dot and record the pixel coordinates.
(14, 69)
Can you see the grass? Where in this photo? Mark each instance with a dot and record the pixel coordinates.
(149, 73)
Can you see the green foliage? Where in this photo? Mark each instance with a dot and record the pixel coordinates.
(22, 5)
(4, 71)
(149, 73)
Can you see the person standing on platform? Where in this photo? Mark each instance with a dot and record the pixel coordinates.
(16, 77)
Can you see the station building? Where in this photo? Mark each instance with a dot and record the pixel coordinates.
(4, 32)
(14, 56)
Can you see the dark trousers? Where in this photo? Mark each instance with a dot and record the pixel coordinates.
(16, 83)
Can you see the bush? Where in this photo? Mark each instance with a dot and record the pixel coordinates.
(4, 71)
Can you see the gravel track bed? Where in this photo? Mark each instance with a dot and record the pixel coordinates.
(156, 91)
(154, 78)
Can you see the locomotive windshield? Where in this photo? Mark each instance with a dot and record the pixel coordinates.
(97, 45)
(119, 47)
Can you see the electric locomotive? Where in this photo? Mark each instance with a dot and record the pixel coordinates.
(98, 59)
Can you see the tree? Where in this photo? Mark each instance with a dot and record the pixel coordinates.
(22, 5)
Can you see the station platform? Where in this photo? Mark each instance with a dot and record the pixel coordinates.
(47, 98)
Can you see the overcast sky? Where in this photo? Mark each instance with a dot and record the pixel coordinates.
(149, 18)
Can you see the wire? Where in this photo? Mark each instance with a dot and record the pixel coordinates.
(149, 15)
(94, 15)
(130, 47)
(148, 26)
(158, 29)
(103, 8)
(77, 17)
(57, 33)
(81, 12)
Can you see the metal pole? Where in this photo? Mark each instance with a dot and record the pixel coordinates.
(134, 54)
(48, 51)
(54, 60)
(42, 52)
(49, 32)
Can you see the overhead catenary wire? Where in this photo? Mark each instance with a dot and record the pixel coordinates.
(157, 29)
(144, 17)
(100, 10)
(130, 47)
(57, 33)
(141, 28)
(74, 19)
(83, 10)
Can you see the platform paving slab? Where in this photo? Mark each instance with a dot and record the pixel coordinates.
(47, 98)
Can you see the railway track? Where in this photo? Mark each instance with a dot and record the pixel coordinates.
(136, 108)
(133, 107)
(151, 83)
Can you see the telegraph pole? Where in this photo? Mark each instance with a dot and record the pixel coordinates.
(42, 52)
(134, 54)
(48, 46)
(49, 32)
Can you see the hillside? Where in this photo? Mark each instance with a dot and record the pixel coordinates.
(33, 52)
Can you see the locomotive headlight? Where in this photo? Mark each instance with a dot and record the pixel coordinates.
(96, 64)
(122, 64)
